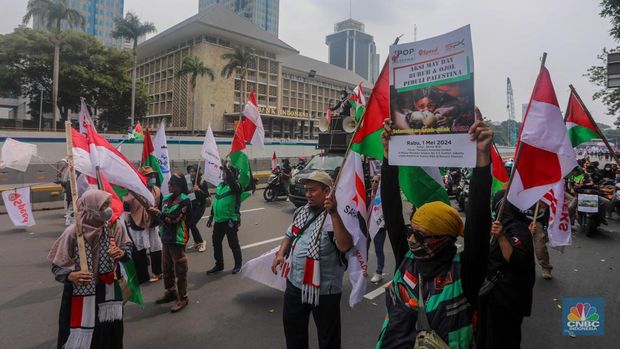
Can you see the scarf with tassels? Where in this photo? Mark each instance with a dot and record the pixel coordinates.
(311, 284)
(85, 297)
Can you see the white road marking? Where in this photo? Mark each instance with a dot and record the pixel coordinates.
(242, 211)
(262, 242)
(377, 292)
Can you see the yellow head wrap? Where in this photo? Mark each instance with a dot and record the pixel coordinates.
(438, 218)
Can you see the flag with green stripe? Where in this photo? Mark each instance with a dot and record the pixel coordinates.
(422, 185)
(498, 171)
(149, 158)
(240, 161)
(580, 127)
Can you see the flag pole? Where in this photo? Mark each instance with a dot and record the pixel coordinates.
(518, 154)
(536, 212)
(612, 152)
(74, 196)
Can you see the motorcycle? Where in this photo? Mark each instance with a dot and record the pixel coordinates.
(300, 166)
(588, 214)
(462, 193)
(275, 186)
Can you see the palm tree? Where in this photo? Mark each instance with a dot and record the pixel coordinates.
(130, 28)
(52, 13)
(238, 61)
(194, 67)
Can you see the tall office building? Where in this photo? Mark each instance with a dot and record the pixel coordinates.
(353, 49)
(264, 13)
(99, 15)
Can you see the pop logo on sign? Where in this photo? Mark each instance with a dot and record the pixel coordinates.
(583, 316)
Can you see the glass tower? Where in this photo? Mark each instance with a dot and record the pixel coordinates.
(263, 13)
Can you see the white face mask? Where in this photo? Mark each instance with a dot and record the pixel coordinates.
(102, 216)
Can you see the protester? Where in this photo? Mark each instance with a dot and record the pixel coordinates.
(63, 180)
(379, 239)
(143, 229)
(174, 235)
(200, 201)
(429, 265)
(316, 237)
(540, 238)
(225, 213)
(608, 173)
(90, 315)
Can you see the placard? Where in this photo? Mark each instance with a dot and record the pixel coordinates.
(432, 101)
(587, 203)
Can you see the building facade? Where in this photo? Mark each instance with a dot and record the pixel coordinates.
(353, 49)
(99, 15)
(292, 91)
(263, 13)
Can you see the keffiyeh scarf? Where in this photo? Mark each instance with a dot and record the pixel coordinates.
(312, 272)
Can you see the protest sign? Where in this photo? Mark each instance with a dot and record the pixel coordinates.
(17, 204)
(432, 101)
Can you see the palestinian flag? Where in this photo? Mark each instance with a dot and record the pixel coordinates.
(358, 101)
(239, 160)
(500, 176)
(422, 185)
(580, 127)
(149, 158)
(137, 133)
(367, 140)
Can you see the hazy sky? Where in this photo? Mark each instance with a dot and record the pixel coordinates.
(509, 37)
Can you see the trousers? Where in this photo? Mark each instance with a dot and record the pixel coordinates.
(296, 317)
(540, 240)
(174, 263)
(230, 230)
(195, 216)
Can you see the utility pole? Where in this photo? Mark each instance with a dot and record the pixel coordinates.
(40, 108)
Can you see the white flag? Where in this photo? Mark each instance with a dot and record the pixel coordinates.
(161, 152)
(17, 203)
(212, 172)
(351, 197)
(559, 228)
(259, 269)
(17, 155)
(376, 220)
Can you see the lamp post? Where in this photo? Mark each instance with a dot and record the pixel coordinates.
(40, 107)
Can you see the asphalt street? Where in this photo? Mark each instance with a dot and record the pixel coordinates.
(229, 311)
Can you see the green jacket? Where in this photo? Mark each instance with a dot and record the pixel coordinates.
(173, 228)
(226, 204)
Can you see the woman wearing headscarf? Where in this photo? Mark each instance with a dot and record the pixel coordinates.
(435, 288)
(506, 296)
(91, 310)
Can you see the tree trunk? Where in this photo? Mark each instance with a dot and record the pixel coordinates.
(55, 82)
(133, 81)
(194, 110)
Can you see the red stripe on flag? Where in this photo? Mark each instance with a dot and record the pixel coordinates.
(77, 306)
(577, 114)
(530, 170)
(248, 129)
(238, 140)
(147, 147)
(544, 91)
(252, 97)
(377, 108)
(79, 140)
(360, 189)
(308, 271)
(498, 169)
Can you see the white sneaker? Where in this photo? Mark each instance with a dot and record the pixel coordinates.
(202, 246)
(376, 278)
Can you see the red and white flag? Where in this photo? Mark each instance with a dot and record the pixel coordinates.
(274, 161)
(358, 94)
(18, 206)
(559, 228)
(116, 204)
(546, 151)
(253, 129)
(94, 150)
(351, 197)
(84, 117)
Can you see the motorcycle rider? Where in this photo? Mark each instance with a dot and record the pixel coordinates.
(608, 173)
(603, 202)
(286, 174)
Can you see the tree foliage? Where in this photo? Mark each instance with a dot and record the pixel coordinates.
(87, 69)
(132, 28)
(194, 67)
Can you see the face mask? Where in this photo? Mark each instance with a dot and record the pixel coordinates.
(152, 182)
(429, 247)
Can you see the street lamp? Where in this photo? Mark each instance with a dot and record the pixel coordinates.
(40, 107)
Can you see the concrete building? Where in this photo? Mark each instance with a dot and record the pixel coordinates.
(353, 49)
(99, 15)
(264, 13)
(292, 91)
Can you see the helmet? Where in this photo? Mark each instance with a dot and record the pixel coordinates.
(508, 164)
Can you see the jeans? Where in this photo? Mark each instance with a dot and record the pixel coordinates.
(228, 229)
(296, 317)
(379, 241)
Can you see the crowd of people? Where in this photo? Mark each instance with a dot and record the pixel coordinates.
(438, 297)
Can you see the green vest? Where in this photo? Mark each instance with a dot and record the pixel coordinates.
(174, 233)
(226, 205)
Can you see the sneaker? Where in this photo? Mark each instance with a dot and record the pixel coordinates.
(168, 297)
(191, 247)
(202, 246)
(236, 269)
(376, 278)
(216, 269)
(546, 274)
(179, 305)
(155, 278)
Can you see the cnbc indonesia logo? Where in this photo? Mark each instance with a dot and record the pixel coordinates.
(583, 316)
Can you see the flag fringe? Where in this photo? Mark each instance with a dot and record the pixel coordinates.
(79, 338)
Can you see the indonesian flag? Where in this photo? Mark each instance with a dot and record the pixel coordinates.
(84, 117)
(94, 150)
(274, 161)
(253, 130)
(559, 228)
(351, 197)
(546, 151)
